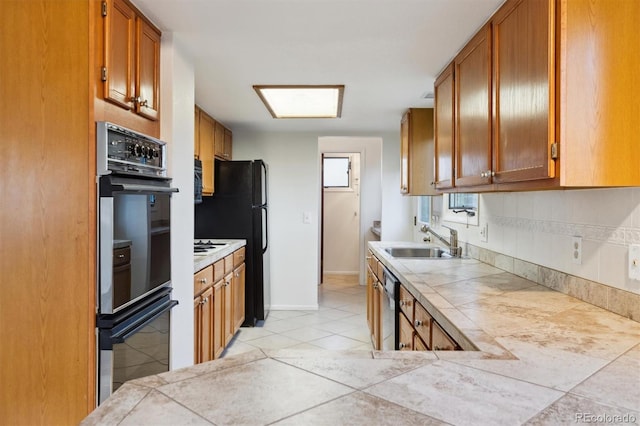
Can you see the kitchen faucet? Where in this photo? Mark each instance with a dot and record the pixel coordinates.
(453, 239)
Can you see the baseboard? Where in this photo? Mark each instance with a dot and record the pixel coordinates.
(341, 272)
(294, 307)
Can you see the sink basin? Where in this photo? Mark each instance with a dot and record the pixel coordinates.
(423, 252)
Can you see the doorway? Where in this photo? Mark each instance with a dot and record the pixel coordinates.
(340, 228)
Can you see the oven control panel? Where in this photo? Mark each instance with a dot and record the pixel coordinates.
(121, 150)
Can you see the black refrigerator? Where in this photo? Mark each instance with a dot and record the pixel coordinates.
(238, 210)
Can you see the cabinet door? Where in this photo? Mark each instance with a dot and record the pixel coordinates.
(148, 70)
(197, 331)
(227, 309)
(524, 67)
(206, 325)
(196, 132)
(440, 340)
(370, 281)
(444, 129)
(228, 144)
(406, 302)
(418, 344)
(238, 296)
(219, 141)
(206, 152)
(404, 153)
(120, 27)
(378, 295)
(405, 338)
(422, 323)
(218, 319)
(473, 111)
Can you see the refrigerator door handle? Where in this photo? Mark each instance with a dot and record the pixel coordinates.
(266, 183)
(266, 229)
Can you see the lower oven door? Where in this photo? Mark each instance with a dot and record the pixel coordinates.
(133, 343)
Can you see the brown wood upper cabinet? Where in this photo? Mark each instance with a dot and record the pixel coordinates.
(223, 142)
(131, 71)
(557, 109)
(473, 111)
(444, 128)
(204, 148)
(416, 152)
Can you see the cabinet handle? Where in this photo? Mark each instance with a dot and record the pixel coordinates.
(203, 280)
(121, 256)
(144, 103)
(403, 345)
(418, 323)
(432, 184)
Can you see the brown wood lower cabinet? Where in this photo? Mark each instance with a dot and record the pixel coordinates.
(374, 301)
(418, 331)
(218, 305)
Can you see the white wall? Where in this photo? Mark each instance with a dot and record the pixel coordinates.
(293, 189)
(177, 129)
(538, 227)
(371, 178)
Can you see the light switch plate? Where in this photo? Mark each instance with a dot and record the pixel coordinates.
(484, 233)
(634, 262)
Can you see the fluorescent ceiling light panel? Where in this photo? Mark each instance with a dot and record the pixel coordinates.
(302, 101)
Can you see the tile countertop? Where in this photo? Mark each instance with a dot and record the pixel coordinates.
(543, 358)
(201, 262)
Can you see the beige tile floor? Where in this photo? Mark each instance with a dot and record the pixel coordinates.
(340, 323)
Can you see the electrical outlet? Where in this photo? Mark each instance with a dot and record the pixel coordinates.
(306, 217)
(634, 262)
(484, 233)
(576, 249)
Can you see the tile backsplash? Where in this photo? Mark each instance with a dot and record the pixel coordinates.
(531, 234)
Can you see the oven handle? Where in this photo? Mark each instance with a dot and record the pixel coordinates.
(118, 334)
(130, 187)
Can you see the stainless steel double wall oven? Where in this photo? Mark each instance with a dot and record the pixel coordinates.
(134, 225)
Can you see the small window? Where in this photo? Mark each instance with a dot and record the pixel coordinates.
(424, 210)
(463, 201)
(336, 172)
(461, 208)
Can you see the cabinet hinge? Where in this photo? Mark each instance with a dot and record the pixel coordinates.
(103, 73)
(104, 8)
(554, 151)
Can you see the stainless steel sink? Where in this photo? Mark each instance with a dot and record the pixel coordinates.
(422, 252)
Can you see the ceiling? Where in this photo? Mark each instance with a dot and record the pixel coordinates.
(387, 53)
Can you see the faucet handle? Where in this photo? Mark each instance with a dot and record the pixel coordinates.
(453, 231)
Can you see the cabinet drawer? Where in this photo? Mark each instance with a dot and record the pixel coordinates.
(405, 337)
(371, 261)
(202, 279)
(218, 270)
(121, 256)
(238, 257)
(422, 322)
(406, 302)
(380, 271)
(440, 340)
(228, 264)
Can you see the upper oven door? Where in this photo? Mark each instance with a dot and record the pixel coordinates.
(135, 240)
